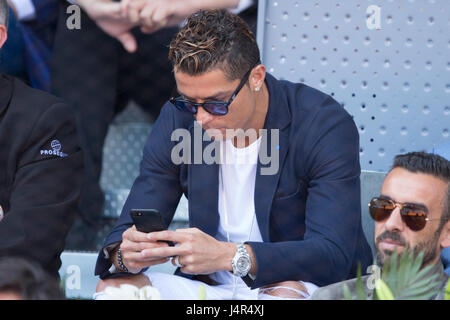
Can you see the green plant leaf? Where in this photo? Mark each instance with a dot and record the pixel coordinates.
(390, 264)
(405, 278)
(447, 291)
(360, 292)
(402, 271)
(347, 293)
(383, 291)
(402, 277)
(416, 290)
(201, 292)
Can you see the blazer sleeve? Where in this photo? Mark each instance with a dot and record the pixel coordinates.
(157, 185)
(45, 191)
(330, 143)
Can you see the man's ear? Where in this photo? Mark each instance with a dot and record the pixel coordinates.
(445, 235)
(3, 35)
(257, 77)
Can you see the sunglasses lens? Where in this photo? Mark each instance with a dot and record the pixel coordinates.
(216, 108)
(190, 107)
(415, 219)
(183, 106)
(380, 209)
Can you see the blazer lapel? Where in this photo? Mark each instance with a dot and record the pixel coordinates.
(203, 186)
(266, 184)
(277, 124)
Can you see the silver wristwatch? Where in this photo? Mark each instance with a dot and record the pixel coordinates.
(241, 262)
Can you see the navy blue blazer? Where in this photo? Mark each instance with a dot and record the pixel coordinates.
(309, 213)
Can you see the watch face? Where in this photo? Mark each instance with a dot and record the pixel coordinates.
(243, 264)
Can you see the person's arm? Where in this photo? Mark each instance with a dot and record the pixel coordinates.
(107, 15)
(332, 215)
(157, 186)
(45, 191)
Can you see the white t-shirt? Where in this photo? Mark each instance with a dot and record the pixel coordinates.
(237, 175)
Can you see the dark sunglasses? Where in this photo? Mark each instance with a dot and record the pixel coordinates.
(217, 108)
(413, 216)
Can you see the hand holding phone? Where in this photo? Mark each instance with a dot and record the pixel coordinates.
(149, 220)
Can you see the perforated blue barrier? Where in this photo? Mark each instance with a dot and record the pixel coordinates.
(387, 62)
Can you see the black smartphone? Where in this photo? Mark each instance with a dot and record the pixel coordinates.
(149, 220)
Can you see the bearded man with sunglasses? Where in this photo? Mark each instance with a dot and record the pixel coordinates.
(412, 211)
(252, 234)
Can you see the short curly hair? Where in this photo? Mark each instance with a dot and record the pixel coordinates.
(214, 39)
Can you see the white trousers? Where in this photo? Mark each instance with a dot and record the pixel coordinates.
(172, 287)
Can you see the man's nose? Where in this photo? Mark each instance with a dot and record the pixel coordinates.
(203, 116)
(395, 222)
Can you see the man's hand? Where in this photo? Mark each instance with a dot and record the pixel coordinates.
(198, 252)
(133, 243)
(156, 14)
(108, 16)
(153, 15)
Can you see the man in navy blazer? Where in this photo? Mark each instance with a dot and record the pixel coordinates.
(307, 209)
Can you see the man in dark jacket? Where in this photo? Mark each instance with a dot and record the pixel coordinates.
(41, 167)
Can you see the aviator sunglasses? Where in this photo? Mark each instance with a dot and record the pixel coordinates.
(414, 216)
(217, 108)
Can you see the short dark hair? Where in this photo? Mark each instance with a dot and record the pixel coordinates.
(214, 39)
(432, 164)
(28, 280)
(4, 13)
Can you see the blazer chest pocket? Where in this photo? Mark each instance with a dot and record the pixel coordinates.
(287, 190)
(290, 202)
(287, 217)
